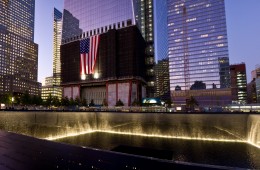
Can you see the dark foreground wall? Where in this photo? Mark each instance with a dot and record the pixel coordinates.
(243, 127)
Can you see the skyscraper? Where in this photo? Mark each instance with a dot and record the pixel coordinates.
(57, 30)
(18, 52)
(162, 83)
(52, 84)
(198, 48)
(238, 83)
(144, 19)
(83, 18)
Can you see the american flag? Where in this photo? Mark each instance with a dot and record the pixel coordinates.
(88, 54)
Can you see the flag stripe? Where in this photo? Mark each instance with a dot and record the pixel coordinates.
(88, 54)
(93, 54)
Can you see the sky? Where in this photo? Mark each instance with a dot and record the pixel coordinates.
(243, 29)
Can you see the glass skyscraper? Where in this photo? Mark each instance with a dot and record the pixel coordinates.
(52, 84)
(18, 52)
(162, 83)
(144, 19)
(198, 48)
(57, 31)
(84, 18)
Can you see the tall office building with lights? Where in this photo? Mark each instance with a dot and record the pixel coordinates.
(52, 84)
(18, 52)
(161, 68)
(57, 31)
(144, 19)
(198, 48)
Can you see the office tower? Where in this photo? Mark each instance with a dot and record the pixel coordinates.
(18, 52)
(52, 84)
(162, 83)
(198, 48)
(238, 83)
(57, 31)
(144, 19)
(80, 16)
(255, 73)
(50, 90)
(83, 18)
(251, 92)
(256, 76)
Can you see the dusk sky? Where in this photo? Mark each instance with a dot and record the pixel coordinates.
(243, 24)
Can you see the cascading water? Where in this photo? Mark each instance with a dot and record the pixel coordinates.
(52, 125)
(217, 139)
(254, 130)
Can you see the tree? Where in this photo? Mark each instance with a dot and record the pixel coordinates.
(77, 101)
(48, 101)
(192, 102)
(168, 103)
(37, 100)
(136, 103)
(105, 102)
(6, 98)
(55, 101)
(65, 101)
(26, 98)
(91, 103)
(71, 102)
(84, 102)
(119, 103)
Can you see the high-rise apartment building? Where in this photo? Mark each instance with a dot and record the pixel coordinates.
(83, 18)
(18, 52)
(198, 48)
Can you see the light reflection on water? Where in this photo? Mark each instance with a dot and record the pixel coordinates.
(234, 154)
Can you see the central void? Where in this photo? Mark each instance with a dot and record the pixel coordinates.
(232, 154)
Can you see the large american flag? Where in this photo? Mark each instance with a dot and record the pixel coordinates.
(88, 54)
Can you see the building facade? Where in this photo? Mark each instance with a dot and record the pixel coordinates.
(144, 19)
(198, 48)
(114, 71)
(100, 16)
(18, 52)
(57, 32)
(253, 88)
(251, 92)
(52, 84)
(238, 83)
(50, 90)
(162, 80)
(162, 83)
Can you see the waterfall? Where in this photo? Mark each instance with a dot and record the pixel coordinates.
(254, 130)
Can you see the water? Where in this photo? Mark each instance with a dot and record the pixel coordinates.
(232, 154)
(218, 139)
